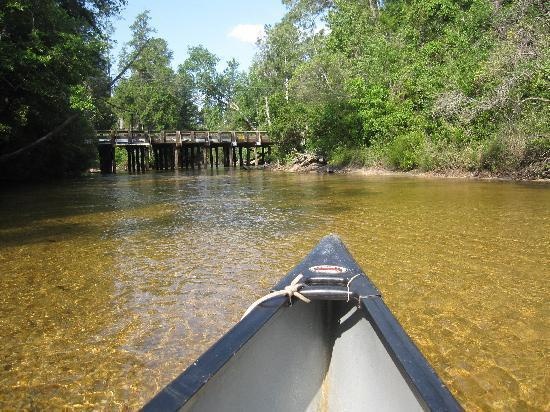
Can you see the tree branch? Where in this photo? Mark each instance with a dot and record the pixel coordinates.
(235, 107)
(132, 60)
(11, 155)
(540, 99)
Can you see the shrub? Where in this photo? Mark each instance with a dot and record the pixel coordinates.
(354, 157)
(405, 151)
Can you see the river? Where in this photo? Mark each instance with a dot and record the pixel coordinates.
(112, 285)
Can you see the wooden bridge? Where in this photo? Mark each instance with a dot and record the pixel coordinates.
(166, 150)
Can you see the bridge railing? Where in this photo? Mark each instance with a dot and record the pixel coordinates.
(122, 137)
(130, 137)
(165, 136)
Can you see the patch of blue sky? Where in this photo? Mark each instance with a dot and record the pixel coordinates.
(228, 28)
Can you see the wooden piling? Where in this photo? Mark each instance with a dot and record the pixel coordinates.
(129, 166)
(186, 156)
(179, 157)
(106, 158)
(226, 155)
(137, 166)
(173, 157)
(143, 151)
(113, 159)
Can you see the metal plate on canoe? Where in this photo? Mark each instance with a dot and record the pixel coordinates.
(328, 269)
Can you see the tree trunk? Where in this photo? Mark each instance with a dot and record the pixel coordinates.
(267, 111)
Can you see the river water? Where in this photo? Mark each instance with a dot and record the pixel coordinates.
(112, 285)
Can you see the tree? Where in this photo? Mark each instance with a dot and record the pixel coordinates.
(147, 98)
(214, 93)
(52, 65)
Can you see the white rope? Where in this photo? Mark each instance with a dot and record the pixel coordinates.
(290, 290)
(349, 282)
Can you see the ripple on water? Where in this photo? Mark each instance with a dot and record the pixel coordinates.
(113, 285)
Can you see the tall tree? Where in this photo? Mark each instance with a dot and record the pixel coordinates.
(147, 98)
(213, 92)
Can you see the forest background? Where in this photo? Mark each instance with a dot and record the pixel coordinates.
(435, 85)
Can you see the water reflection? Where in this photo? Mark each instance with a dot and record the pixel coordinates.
(112, 285)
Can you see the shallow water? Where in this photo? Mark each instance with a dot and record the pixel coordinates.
(111, 286)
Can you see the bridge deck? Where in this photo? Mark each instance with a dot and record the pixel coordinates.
(170, 149)
(177, 137)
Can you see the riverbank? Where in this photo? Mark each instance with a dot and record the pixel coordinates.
(308, 163)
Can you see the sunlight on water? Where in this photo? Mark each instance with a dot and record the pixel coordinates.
(111, 286)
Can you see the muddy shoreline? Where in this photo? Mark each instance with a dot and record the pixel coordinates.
(518, 176)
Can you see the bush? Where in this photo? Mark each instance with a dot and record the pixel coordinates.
(353, 157)
(405, 151)
(537, 150)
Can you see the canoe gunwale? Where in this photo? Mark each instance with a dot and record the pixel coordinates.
(428, 389)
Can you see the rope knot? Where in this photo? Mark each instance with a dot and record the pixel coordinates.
(289, 290)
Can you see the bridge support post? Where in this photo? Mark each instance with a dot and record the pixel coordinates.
(248, 156)
(113, 159)
(158, 158)
(212, 157)
(106, 158)
(134, 153)
(180, 157)
(173, 157)
(241, 163)
(226, 156)
(137, 150)
(137, 166)
(129, 165)
(142, 158)
(186, 156)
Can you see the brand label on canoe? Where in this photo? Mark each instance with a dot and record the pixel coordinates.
(328, 269)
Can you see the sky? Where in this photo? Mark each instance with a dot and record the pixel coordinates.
(228, 28)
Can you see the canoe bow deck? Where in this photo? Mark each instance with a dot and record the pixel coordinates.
(344, 351)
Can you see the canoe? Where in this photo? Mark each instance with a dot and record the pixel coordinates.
(342, 351)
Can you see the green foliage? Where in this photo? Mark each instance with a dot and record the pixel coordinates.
(121, 156)
(197, 95)
(354, 157)
(148, 97)
(538, 150)
(405, 151)
(52, 65)
(430, 84)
